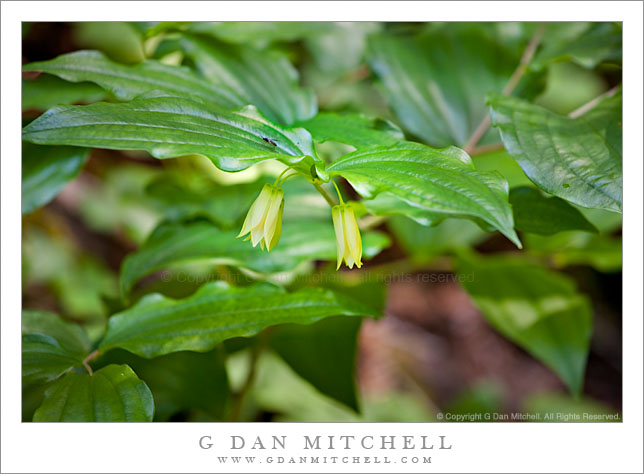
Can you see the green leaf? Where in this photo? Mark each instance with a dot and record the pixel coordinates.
(424, 243)
(323, 353)
(169, 127)
(69, 336)
(536, 308)
(46, 170)
(50, 347)
(265, 79)
(127, 82)
(579, 160)
(157, 325)
(44, 360)
(302, 240)
(596, 43)
(436, 83)
(260, 33)
(47, 91)
(437, 182)
(118, 39)
(536, 213)
(179, 381)
(113, 393)
(353, 129)
(602, 252)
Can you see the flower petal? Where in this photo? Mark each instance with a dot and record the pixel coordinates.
(258, 209)
(278, 229)
(352, 235)
(272, 214)
(336, 212)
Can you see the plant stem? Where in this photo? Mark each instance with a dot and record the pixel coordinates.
(591, 104)
(250, 378)
(91, 356)
(518, 73)
(324, 194)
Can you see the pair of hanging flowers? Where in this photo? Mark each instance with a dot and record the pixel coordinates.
(263, 223)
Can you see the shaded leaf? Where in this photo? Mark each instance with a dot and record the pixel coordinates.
(260, 33)
(352, 129)
(113, 393)
(44, 360)
(423, 243)
(323, 353)
(69, 336)
(301, 241)
(127, 82)
(436, 83)
(168, 127)
(157, 325)
(536, 213)
(579, 160)
(179, 381)
(46, 170)
(50, 347)
(596, 43)
(265, 79)
(536, 308)
(440, 183)
(47, 91)
(602, 252)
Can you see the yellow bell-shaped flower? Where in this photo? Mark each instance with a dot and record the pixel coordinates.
(264, 219)
(347, 235)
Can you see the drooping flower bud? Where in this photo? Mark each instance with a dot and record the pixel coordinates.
(347, 235)
(264, 219)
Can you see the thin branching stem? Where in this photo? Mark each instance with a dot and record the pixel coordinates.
(518, 73)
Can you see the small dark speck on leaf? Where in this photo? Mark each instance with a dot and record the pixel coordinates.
(268, 140)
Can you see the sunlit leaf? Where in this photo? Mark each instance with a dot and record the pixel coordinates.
(127, 82)
(442, 183)
(168, 127)
(579, 160)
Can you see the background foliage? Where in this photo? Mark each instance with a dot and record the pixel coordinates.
(485, 163)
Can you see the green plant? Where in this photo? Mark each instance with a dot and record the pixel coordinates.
(229, 93)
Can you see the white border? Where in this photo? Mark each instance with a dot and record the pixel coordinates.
(513, 447)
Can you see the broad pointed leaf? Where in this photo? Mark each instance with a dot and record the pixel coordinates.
(579, 159)
(323, 353)
(50, 347)
(127, 82)
(436, 83)
(535, 213)
(353, 129)
(157, 325)
(168, 127)
(113, 393)
(264, 79)
(538, 309)
(301, 241)
(46, 170)
(439, 182)
(179, 381)
(47, 91)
